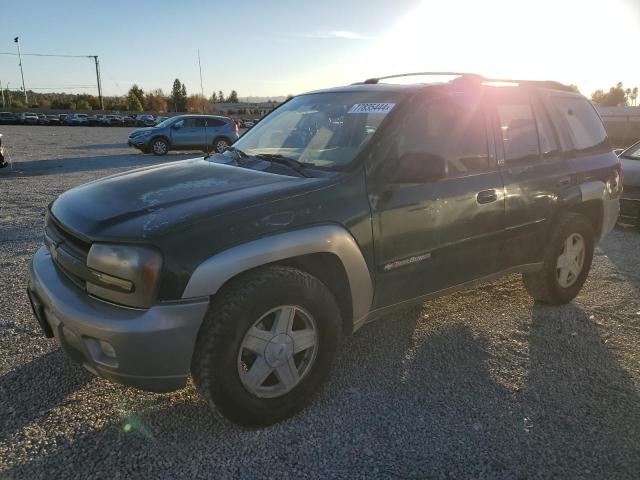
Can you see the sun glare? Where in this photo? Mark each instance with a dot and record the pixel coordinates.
(571, 41)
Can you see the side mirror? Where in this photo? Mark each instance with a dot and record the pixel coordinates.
(419, 167)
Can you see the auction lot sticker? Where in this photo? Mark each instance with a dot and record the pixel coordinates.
(383, 108)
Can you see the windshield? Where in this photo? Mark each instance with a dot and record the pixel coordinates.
(632, 152)
(323, 129)
(166, 122)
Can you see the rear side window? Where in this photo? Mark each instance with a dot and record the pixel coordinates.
(213, 122)
(584, 125)
(518, 129)
(548, 140)
(452, 127)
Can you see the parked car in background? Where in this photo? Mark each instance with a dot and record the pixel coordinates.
(186, 132)
(247, 123)
(159, 120)
(78, 119)
(54, 119)
(630, 202)
(145, 120)
(94, 120)
(113, 121)
(129, 121)
(8, 118)
(30, 118)
(42, 119)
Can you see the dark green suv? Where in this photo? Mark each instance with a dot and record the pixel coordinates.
(247, 268)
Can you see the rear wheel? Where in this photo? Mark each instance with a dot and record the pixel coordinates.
(159, 146)
(566, 262)
(261, 361)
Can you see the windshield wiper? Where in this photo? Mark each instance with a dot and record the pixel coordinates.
(282, 160)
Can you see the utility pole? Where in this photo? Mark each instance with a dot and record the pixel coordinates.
(26, 100)
(2, 90)
(201, 88)
(95, 59)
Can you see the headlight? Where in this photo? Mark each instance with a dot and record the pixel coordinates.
(130, 274)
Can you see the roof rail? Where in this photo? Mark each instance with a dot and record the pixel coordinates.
(457, 74)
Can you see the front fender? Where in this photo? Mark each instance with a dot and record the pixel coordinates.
(211, 274)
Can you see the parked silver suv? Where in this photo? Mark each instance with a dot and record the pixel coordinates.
(186, 132)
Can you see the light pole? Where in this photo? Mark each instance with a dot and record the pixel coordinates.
(26, 100)
(2, 91)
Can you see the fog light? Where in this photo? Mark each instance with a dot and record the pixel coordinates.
(107, 349)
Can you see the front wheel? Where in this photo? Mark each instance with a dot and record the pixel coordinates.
(261, 361)
(566, 262)
(159, 146)
(221, 144)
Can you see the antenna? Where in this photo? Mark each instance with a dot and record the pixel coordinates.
(201, 88)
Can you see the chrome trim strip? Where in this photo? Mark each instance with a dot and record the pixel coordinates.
(211, 274)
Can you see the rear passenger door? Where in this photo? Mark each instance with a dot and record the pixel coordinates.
(535, 171)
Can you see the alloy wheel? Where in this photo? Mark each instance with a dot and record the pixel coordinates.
(571, 260)
(278, 351)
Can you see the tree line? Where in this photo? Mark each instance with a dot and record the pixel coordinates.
(136, 100)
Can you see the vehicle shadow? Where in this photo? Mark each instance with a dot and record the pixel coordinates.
(577, 414)
(29, 391)
(34, 168)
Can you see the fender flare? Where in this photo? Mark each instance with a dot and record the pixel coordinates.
(211, 274)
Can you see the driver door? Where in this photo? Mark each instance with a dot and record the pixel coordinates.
(433, 235)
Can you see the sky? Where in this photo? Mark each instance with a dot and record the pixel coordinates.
(280, 47)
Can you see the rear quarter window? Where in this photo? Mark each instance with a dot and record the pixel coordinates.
(583, 123)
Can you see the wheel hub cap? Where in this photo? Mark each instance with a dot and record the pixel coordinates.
(277, 351)
(570, 261)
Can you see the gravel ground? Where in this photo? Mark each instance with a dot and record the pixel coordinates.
(480, 384)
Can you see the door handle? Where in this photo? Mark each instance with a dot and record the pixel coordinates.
(487, 196)
(563, 182)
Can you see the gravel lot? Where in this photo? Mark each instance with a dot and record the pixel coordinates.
(481, 384)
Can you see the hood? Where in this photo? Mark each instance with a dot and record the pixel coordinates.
(143, 203)
(139, 131)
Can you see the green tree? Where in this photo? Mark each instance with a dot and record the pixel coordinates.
(136, 91)
(83, 105)
(220, 96)
(179, 96)
(233, 97)
(614, 97)
(134, 103)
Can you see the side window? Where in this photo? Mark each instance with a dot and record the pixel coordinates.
(518, 128)
(199, 122)
(548, 140)
(451, 127)
(191, 122)
(179, 124)
(584, 125)
(212, 122)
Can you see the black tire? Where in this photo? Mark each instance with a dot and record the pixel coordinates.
(232, 312)
(220, 144)
(159, 146)
(544, 285)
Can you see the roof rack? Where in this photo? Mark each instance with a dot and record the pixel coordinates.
(465, 76)
(449, 74)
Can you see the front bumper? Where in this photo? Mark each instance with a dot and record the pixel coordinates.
(152, 348)
(137, 142)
